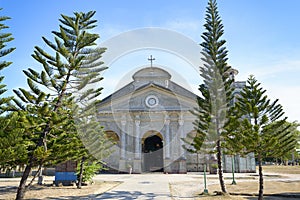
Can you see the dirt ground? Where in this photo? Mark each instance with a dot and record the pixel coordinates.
(273, 189)
(248, 190)
(48, 191)
(280, 180)
(281, 169)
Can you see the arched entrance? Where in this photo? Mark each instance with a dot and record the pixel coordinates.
(152, 149)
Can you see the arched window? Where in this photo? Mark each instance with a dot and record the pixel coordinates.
(113, 137)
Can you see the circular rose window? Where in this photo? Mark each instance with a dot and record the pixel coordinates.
(151, 101)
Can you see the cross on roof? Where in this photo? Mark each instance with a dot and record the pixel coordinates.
(151, 60)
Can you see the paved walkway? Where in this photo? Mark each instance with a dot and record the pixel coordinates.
(141, 186)
(152, 186)
(165, 186)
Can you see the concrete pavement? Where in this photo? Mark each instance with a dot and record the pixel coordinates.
(142, 186)
(153, 186)
(160, 186)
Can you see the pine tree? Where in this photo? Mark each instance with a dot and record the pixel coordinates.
(95, 141)
(281, 137)
(199, 142)
(4, 39)
(13, 142)
(216, 90)
(62, 92)
(260, 127)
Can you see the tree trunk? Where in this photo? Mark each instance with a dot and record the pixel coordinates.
(41, 178)
(37, 173)
(22, 186)
(261, 179)
(80, 173)
(197, 162)
(220, 170)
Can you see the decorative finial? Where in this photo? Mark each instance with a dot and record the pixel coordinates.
(233, 73)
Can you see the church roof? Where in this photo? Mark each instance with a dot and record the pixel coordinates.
(150, 77)
(151, 73)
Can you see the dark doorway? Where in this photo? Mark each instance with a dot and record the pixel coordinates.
(153, 154)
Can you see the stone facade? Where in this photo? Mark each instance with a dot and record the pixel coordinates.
(148, 117)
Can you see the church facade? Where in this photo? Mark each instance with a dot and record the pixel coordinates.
(148, 118)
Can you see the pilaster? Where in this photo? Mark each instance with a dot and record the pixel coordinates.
(167, 144)
(122, 162)
(137, 139)
(180, 136)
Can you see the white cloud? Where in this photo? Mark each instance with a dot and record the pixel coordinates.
(289, 98)
(182, 25)
(281, 82)
(189, 27)
(265, 71)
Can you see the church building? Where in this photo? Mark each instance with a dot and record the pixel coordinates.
(148, 119)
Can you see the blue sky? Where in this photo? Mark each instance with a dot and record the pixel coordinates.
(262, 38)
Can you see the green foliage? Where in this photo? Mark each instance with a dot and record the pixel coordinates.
(283, 136)
(4, 50)
(93, 137)
(62, 96)
(259, 125)
(13, 141)
(298, 138)
(4, 39)
(58, 94)
(89, 170)
(216, 90)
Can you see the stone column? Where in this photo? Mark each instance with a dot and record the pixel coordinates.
(123, 139)
(181, 135)
(137, 140)
(137, 164)
(122, 163)
(167, 137)
(182, 159)
(167, 146)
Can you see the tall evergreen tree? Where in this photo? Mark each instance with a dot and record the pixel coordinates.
(216, 90)
(259, 127)
(282, 140)
(201, 142)
(4, 39)
(62, 92)
(13, 142)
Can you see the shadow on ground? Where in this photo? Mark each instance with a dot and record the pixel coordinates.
(125, 195)
(8, 189)
(120, 195)
(283, 196)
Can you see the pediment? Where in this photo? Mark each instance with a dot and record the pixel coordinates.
(150, 97)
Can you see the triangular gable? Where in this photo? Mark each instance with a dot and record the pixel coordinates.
(174, 97)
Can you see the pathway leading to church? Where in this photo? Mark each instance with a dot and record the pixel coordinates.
(161, 186)
(144, 186)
